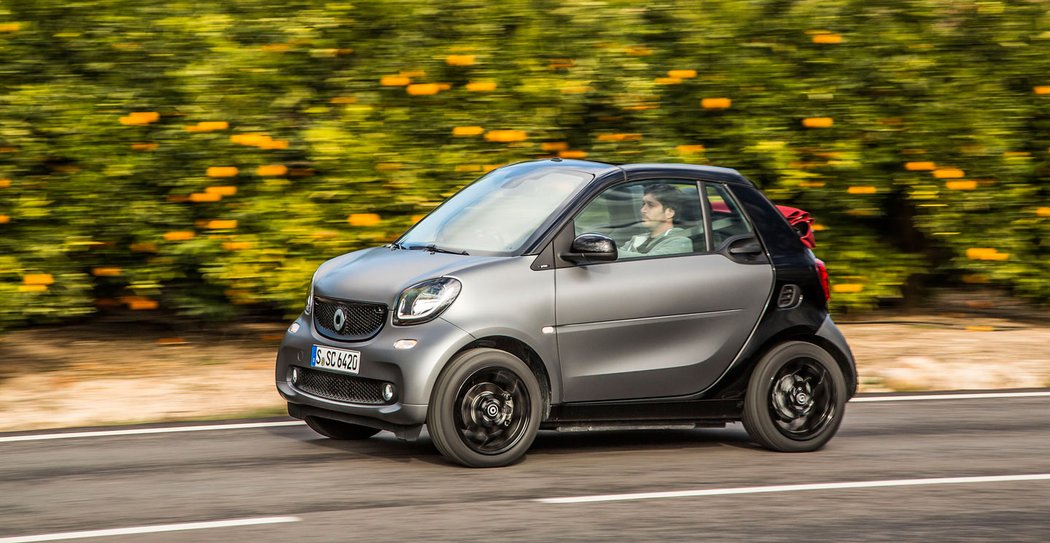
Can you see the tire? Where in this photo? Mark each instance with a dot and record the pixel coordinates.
(485, 409)
(796, 398)
(343, 431)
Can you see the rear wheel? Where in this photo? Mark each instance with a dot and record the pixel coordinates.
(340, 430)
(485, 409)
(796, 398)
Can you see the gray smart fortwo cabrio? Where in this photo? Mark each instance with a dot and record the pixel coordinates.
(568, 295)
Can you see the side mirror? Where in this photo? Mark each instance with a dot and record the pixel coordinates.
(591, 248)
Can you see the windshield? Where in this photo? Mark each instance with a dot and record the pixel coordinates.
(497, 214)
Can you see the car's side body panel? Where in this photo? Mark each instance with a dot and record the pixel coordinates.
(507, 298)
(794, 264)
(624, 334)
(623, 337)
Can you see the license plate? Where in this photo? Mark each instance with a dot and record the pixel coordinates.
(335, 359)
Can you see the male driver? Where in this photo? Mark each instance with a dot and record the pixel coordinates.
(660, 204)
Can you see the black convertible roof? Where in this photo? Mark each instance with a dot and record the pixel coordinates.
(727, 175)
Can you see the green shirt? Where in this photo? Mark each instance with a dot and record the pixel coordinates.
(671, 242)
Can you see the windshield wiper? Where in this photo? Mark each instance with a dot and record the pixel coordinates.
(395, 245)
(435, 249)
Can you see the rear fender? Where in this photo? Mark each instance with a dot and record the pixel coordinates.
(828, 337)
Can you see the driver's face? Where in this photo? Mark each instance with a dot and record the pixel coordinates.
(654, 213)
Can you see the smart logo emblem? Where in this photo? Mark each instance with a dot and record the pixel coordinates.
(339, 319)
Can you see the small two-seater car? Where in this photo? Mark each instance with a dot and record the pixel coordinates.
(569, 295)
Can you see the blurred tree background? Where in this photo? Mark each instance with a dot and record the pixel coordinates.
(203, 158)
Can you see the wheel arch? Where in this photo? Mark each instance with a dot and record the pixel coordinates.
(805, 334)
(526, 353)
(845, 363)
(737, 384)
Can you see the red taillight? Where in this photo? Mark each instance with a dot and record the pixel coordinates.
(822, 271)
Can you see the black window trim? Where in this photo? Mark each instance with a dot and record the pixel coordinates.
(570, 225)
(739, 208)
(705, 209)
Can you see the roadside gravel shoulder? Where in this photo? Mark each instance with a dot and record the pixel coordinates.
(123, 372)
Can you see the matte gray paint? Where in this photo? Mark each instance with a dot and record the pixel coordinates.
(624, 333)
(409, 369)
(501, 296)
(380, 274)
(620, 335)
(506, 297)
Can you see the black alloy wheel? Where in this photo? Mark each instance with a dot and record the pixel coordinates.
(487, 420)
(485, 409)
(795, 399)
(801, 402)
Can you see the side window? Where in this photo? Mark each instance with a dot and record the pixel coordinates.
(613, 213)
(726, 219)
(647, 218)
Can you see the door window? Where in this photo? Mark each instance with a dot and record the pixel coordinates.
(647, 218)
(726, 219)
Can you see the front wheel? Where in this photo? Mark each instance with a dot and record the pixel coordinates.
(485, 409)
(796, 398)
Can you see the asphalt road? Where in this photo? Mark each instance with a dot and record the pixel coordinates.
(307, 488)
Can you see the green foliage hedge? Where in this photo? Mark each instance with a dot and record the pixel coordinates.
(200, 157)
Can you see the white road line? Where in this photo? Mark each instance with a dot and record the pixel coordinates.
(249, 425)
(796, 488)
(139, 431)
(149, 529)
(969, 396)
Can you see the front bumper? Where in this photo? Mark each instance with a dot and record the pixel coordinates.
(412, 371)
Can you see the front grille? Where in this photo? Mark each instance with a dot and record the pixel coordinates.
(341, 388)
(359, 320)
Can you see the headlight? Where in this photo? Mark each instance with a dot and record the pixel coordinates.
(425, 301)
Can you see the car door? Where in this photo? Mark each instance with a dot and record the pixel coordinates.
(661, 325)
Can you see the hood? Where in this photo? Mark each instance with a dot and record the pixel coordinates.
(380, 274)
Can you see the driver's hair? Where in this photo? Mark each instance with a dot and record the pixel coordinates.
(668, 196)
